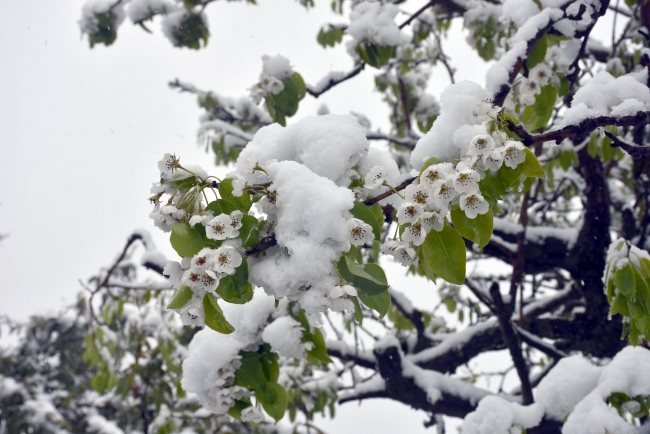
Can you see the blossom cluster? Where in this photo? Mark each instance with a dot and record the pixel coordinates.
(186, 204)
(275, 70)
(530, 86)
(445, 185)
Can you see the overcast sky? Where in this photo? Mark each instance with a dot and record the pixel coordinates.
(81, 132)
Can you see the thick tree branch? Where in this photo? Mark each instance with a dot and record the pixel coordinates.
(511, 341)
(579, 130)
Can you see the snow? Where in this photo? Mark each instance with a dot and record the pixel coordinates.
(329, 145)
(451, 341)
(89, 23)
(464, 107)
(285, 336)
(605, 95)
(97, 424)
(172, 23)
(375, 23)
(499, 73)
(141, 10)
(567, 384)
(330, 77)
(436, 384)
(495, 415)
(518, 11)
(213, 357)
(308, 245)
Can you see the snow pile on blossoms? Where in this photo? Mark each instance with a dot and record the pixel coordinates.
(275, 70)
(465, 108)
(89, 23)
(141, 10)
(605, 95)
(375, 23)
(312, 229)
(209, 369)
(328, 145)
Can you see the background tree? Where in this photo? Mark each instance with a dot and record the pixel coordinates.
(477, 180)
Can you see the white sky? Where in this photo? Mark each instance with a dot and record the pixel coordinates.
(81, 131)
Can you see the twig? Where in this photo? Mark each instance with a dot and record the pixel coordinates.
(635, 151)
(388, 193)
(417, 14)
(402, 141)
(335, 81)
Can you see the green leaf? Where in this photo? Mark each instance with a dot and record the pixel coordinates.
(537, 115)
(250, 374)
(270, 365)
(235, 288)
(181, 298)
(214, 317)
(358, 314)
(235, 410)
(451, 304)
(637, 308)
(619, 306)
(221, 206)
(380, 303)
(478, 229)
(273, 398)
(538, 53)
(642, 290)
(187, 240)
(564, 84)
(329, 35)
(249, 232)
(624, 280)
(369, 279)
(318, 353)
(444, 253)
(243, 202)
(363, 213)
(531, 166)
(399, 320)
(606, 151)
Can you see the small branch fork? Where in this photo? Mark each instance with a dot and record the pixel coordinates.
(587, 126)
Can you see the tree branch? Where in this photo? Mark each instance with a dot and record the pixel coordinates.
(511, 341)
(581, 129)
(316, 92)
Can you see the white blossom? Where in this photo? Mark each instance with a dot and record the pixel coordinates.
(409, 212)
(220, 228)
(444, 192)
(238, 185)
(482, 144)
(248, 166)
(404, 254)
(527, 91)
(360, 232)
(339, 291)
(473, 204)
(227, 259)
(513, 154)
(200, 279)
(466, 181)
(434, 220)
(540, 74)
(419, 194)
(414, 233)
(435, 173)
(168, 164)
(193, 315)
(494, 160)
(375, 177)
